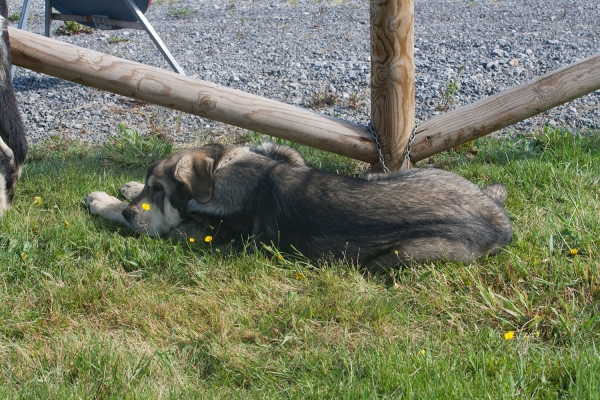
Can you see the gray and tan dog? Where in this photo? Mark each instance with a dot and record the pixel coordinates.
(267, 194)
(13, 145)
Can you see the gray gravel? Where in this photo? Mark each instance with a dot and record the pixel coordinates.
(295, 50)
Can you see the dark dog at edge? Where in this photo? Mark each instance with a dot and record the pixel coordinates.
(13, 145)
(266, 194)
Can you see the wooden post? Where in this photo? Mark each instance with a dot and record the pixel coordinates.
(392, 77)
(506, 108)
(206, 99)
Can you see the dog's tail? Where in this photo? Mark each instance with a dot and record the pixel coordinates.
(496, 192)
(12, 129)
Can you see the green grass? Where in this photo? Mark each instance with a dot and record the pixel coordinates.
(180, 12)
(89, 310)
(70, 28)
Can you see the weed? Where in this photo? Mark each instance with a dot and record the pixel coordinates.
(450, 91)
(162, 2)
(180, 12)
(70, 28)
(130, 149)
(117, 39)
(14, 17)
(324, 99)
(356, 101)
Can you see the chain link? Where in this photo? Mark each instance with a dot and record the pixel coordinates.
(378, 147)
(407, 149)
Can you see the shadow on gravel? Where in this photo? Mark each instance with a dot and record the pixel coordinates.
(27, 84)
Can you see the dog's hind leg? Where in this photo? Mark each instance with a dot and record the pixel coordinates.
(131, 190)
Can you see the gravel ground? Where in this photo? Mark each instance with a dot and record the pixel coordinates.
(297, 50)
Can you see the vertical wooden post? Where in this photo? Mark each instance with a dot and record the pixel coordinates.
(392, 77)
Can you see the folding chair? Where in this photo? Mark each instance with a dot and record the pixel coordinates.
(105, 14)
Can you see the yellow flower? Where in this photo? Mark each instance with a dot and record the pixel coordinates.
(573, 252)
(67, 224)
(145, 206)
(37, 200)
(23, 255)
(279, 257)
(537, 333)
(422, 352)
(192, 240)
(300, 275)
(509, 335)
(208, 239)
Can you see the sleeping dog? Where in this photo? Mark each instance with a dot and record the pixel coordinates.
(13, 146)
(233, 195)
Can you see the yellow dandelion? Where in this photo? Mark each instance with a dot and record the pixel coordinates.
(509, 335)
(192, 240)
(208, 239)
(279, 257)
(67, 224)
(422, 352)
(23, 255)
(573, 252)
(145, 206)
(300, 275)
(37, 200)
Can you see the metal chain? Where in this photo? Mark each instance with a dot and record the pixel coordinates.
(407, 149)
(378, 147)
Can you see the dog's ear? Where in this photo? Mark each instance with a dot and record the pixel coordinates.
(196, 173)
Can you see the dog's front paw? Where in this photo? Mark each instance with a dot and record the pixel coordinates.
(131, 190)
(101, 203)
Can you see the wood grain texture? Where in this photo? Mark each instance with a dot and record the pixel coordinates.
(206, 99)
(506, 108)
(392, 76)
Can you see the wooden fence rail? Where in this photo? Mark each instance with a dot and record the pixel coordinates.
(206, 99)
(221, 103)
(506, 108)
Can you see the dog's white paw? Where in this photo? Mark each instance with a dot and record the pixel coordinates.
(101, 203)
(131, 190)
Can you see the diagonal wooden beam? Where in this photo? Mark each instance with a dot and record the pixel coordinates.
(206, 99)
(506, 108)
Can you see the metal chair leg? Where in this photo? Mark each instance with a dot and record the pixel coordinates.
(48, 18)
(154, 36)
(24, 15)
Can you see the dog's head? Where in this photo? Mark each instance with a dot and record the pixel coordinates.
(170, 184)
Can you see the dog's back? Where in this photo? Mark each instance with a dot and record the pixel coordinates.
(385, 219)
(13, 145)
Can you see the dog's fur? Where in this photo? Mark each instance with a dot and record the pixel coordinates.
(268, 195)
(13, 145)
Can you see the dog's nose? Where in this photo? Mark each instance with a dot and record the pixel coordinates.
(127, 214)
